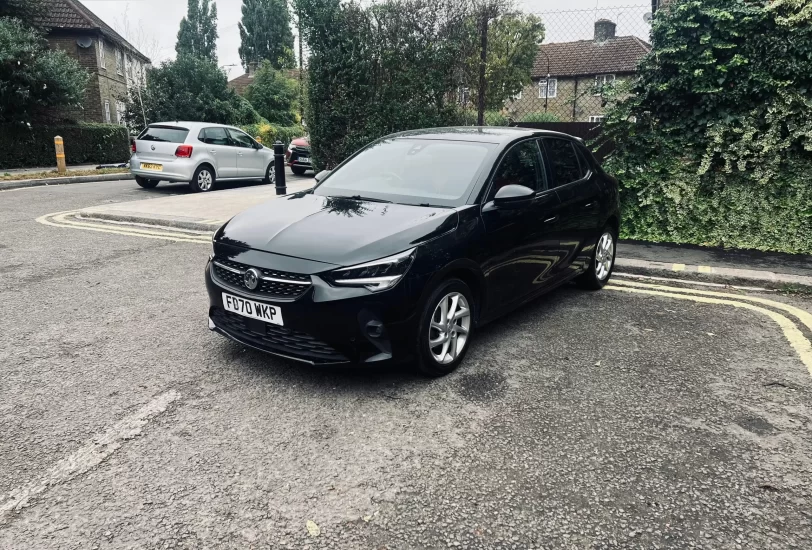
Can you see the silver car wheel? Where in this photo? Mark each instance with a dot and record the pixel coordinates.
(271, 175)
(604, 256)
(204, 180)
(449, 328)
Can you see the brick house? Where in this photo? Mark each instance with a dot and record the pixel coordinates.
(113, 63)
(568, 77)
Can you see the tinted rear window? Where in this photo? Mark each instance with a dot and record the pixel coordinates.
(164, 133)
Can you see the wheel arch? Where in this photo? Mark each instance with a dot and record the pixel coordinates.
(468, 272)
(209, 165)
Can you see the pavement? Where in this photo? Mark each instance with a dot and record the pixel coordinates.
(73, 167)
(207, 211)
(641, 416)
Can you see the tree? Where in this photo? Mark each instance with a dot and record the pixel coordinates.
(26, 10)
(33, 79)
(265, 33)
(197, 36)
(189, 88)
(273, 95)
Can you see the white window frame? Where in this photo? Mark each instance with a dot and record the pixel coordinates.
(517, 96)
(107, 111)
(596, 118)
(102, 62)
(120, 61)
(121, 107)
(543, 84)
(602, 80)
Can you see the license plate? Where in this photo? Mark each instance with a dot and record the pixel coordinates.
(148, 166)
(252, 309)
(304, 160)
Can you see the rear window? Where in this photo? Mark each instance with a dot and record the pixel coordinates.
(167, 134)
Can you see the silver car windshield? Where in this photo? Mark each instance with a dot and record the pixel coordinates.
(410, 171)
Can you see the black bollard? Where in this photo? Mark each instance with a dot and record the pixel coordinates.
(279, 167)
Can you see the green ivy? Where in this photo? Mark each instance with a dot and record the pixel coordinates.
(714, 138)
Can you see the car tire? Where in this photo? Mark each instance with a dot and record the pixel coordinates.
(204, 179)
(602, 262)
(146, 183)
(445, 356)
(270, 175)
(298, 170)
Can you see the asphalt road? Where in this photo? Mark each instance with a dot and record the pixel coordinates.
(585, 420)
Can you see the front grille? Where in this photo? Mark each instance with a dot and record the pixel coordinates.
(304, 151)
(275, 338)
(284, 287)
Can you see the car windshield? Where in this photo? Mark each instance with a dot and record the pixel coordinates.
(164, 133)
(410, 171)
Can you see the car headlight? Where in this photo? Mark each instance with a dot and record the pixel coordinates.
(375, 276)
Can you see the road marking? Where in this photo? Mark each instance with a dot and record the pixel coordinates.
(804, 316)
(690, 282)
(704, 269)
(89, 455)
(678, 267)
(794, 336)
(60, 219)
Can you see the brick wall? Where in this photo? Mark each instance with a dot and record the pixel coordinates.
(105, 84)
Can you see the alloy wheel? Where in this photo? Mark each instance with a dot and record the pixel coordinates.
(271, 175)
(449, 328)
(204, 180)
(604, 256)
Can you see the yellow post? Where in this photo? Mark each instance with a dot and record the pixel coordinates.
(60, 155)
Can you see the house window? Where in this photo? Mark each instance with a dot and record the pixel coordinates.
(120, 62)
(517, 96)
(596, 118)
(463, 95)
(603, 80)
(101, 54)
(548, 88)
(107, 111)
(120, 110)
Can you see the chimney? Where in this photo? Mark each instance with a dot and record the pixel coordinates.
(252, 68)
(604, 30)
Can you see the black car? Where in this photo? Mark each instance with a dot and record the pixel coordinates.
(413, 243)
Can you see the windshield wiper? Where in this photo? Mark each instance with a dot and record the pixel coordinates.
(369, 199)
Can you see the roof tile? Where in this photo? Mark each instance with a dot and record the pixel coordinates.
(589, 57)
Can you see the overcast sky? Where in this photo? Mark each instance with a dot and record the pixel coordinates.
(153, 24)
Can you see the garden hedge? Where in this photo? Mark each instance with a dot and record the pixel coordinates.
(85, 143)
(269, 133)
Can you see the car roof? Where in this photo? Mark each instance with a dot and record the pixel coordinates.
(191, 124)
(483, 134)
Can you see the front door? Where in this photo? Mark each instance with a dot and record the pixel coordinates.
(575, 184)
(251, 162)
(521, 244)
(218, 144)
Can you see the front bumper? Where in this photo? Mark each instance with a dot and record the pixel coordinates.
(292, 159)
(324, 326)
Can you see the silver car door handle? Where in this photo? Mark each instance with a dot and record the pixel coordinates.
(551, 220)
(212, 151)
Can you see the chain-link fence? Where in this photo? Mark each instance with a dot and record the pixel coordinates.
(584, 54)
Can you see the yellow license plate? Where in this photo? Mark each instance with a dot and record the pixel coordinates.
(147, 166)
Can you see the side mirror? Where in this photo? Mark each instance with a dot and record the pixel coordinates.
(258, 146)
(323, 174)
(513, 196)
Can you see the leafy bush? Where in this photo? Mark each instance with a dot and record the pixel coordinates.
(188, 88)
(714, 141)
(495, 118)
(22, 146)
(273, 95)
(540, 117)
(270, 133)
(33, 79)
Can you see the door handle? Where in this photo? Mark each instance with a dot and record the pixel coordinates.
(212, 151)
(551, 220)
(590, 204)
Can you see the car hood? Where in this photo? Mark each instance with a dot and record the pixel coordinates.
(335, 230)
(301, 142)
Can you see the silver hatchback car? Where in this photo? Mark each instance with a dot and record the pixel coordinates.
(198, 153)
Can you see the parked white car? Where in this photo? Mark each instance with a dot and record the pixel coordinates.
(198, 153)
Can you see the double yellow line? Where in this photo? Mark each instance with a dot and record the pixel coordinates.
(70, 219)
(794, 336)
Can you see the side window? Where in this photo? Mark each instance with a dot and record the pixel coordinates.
(240, 139)
(216, 136)
(563, 161)
(520, 166)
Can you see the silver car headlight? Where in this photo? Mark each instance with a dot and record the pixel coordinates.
(378, 275)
